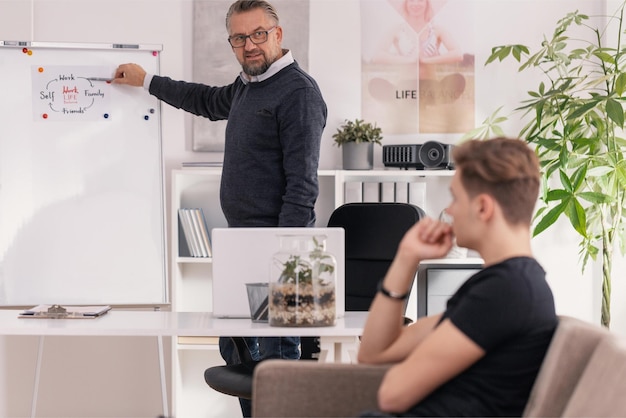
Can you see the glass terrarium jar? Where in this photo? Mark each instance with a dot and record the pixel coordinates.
(302, 283)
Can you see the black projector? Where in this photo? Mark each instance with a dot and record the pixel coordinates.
(431, 155)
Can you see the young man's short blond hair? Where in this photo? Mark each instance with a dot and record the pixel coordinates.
(504, 168)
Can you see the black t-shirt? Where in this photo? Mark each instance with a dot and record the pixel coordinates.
(508, 310)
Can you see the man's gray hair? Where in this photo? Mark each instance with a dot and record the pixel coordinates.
(245, 5)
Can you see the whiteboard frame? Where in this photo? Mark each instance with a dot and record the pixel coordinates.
(156, 49)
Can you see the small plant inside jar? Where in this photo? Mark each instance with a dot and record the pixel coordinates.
(304, 292)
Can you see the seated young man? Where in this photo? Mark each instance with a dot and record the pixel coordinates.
(481, 356)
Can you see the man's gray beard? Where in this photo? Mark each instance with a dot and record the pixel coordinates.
(255, 70)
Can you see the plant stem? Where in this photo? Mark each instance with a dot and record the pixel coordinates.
(607, 261)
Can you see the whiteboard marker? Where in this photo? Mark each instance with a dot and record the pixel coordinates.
(14, 43)
(129, 46)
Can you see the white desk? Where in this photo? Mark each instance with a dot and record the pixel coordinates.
(170, 324)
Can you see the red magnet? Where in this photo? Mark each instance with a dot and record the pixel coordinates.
(45, 116)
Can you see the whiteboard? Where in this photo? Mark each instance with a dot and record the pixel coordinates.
(81, 177)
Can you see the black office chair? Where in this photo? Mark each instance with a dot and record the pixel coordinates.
(234, 379)
(372, 234)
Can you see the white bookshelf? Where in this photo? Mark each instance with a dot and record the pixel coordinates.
(191, 292)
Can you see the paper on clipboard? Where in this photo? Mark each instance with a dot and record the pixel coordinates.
(58, 311)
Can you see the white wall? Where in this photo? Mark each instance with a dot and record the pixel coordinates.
(335, 63)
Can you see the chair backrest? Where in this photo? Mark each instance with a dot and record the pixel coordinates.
(372, 234)
(285, 388)
(572, 347)
(600, 390)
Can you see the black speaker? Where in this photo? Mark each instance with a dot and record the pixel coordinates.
(431, 155)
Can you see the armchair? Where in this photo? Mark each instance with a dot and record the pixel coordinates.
(296, 389)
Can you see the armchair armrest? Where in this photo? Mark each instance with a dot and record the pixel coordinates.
(287, 388)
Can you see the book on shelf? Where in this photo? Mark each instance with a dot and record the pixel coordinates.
(197, 234)
(195, 230)
(184, 249)
(204, 231)
(195, 243)
(185, 223)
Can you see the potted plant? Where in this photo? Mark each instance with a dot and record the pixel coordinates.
(302, 286)
(575, 119)
(357, 139)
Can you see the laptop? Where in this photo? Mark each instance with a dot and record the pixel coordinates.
(243, 255)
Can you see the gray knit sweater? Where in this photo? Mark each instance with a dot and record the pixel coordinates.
(272, 143)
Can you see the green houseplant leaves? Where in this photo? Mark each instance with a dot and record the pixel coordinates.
(358, 131)
(575, 120)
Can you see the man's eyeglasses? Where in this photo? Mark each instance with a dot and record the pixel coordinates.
(256, 38)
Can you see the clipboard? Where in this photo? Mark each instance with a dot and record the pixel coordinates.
(65, 312)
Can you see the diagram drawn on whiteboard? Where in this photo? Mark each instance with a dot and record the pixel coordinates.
(62, 93)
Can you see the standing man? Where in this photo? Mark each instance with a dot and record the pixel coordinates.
(276, 115)
(482, 355)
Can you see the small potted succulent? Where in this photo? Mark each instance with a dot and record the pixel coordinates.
(357, 139)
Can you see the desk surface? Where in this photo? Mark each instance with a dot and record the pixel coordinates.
(151, 323)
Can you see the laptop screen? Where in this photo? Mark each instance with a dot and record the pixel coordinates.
(244, 255)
